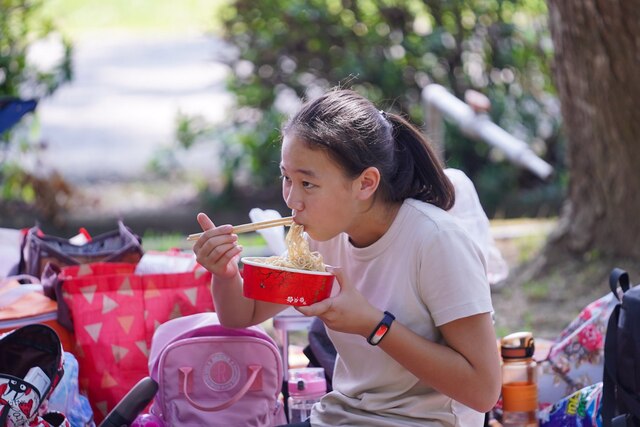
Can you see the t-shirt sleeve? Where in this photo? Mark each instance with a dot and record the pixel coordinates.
(453, 281)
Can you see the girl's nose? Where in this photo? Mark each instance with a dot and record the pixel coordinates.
(293, 202)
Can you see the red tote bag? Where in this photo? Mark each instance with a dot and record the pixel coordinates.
(115, 313)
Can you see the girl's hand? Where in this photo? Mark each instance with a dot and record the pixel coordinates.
(217, 249)
(347, 312)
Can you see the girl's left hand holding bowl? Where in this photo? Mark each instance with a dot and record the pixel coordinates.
(348, 311)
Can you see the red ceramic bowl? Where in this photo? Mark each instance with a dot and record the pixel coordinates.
(284, 285)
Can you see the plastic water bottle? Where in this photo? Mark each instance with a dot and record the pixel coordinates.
(519, 381)
(306, 386)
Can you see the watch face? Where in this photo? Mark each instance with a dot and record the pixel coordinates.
(377, 336)
(382, 328)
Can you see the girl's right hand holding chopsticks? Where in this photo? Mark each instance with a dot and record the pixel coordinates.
(217, 249)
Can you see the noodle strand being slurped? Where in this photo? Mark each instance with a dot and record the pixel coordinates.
(298, 254)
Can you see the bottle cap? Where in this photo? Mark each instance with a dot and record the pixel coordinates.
(307, 382)
(519, 345)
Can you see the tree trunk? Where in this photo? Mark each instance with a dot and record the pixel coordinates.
(597, 74)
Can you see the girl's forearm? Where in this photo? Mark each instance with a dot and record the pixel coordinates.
(473, 381)
(234, 309)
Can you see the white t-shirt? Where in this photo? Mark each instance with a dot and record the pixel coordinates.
(426, 271)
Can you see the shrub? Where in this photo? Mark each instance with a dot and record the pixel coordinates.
(21, 28)
(388, 51)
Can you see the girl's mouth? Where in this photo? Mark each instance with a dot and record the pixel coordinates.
(295, 218)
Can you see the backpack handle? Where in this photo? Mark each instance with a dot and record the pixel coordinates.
(254, 371)
(618, 280)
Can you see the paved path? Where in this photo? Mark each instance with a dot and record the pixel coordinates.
(121, 107)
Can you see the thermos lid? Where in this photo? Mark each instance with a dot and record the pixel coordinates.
(518, 345)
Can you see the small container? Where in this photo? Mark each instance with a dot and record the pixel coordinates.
(306, 386)
(519, 381)
(283, 285)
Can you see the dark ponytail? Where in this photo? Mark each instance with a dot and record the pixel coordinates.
(357, 135)
(419, 173)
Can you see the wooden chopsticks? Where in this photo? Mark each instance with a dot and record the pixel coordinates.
(252, 226)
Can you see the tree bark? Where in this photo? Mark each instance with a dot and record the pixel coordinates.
(597, 75)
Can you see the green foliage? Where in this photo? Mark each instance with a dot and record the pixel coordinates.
(84, 16)
(13, 187)
(389, 50)
(22, 26)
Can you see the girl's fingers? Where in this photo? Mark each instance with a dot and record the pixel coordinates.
(205, 222)
(216, 254)
(316, 309)
(337, 271)
(217, 248)
(210, 229)
(322, 307)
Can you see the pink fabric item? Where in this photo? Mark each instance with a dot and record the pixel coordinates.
(576, 358)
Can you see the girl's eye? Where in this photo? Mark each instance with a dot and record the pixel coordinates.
(285, 178)
(307, 184)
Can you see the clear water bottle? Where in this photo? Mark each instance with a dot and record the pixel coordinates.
(519, 381)
(306, 386)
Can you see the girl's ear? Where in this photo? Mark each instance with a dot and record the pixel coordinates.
(368, 182)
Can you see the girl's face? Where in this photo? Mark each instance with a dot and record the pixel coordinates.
(315, 188)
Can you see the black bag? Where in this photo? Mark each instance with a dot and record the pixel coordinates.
(621, 377)
(39, 249)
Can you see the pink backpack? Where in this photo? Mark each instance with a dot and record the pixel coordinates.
(215, 376)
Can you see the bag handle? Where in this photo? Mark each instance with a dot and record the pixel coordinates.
(254, 371)
(618, 280)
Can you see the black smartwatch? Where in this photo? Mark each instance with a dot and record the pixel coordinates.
(381, 330)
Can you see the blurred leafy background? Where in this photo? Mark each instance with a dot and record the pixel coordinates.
(389, 51)
(21, 25)
(288, 50)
